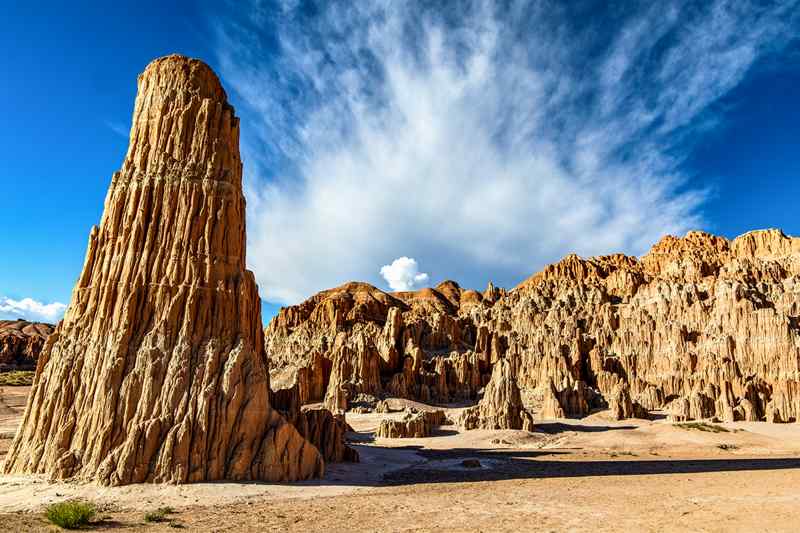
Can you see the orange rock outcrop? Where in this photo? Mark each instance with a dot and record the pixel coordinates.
(358, 340)
(158, 371)
(699, 321)
(21, 342)
(701, 326)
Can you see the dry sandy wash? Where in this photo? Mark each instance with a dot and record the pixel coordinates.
(573, 474)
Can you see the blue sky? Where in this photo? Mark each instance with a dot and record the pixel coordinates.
(404, 144)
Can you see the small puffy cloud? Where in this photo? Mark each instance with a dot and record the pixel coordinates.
(403, 274)
(30, 309)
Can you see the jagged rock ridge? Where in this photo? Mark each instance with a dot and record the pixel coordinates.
(700, 326)
(21, 342)
(357, 339)
(158, 370)
(698, 320)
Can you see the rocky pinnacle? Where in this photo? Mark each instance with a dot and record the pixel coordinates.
(158, 371)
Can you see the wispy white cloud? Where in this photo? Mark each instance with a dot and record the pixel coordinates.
(403, 274)
(484, 141)
(30, 309)
(118, 128)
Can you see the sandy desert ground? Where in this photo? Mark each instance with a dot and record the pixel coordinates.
(591, 474)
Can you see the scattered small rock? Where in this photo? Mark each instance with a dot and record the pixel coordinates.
(471, 463)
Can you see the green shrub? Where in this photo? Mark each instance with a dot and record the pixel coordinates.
(159, 515)
(70, 515)
(16, 378)
(703, 426)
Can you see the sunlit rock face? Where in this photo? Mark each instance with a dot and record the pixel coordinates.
(700, 326)
(158, 370)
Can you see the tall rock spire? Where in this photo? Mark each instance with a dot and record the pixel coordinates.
(158, 370)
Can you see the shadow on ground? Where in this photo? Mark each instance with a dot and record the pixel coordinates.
(443, 466)
(559, 427)
(415, 464)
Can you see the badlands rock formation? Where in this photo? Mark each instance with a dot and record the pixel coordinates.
(21, 342)
(324, 429)
(700, 326)
(413, 425)
(158, 370)
(501, 406)
(357, 340)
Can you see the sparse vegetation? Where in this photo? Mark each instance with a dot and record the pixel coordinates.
(727, 447)
(619, 453)
(71, 514)
(159, 515)
(704, 426)
(16, 378)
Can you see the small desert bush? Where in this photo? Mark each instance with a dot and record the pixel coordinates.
(617, 453)
(70, 515)
(159, 515)
(703, 426)
(14, 378)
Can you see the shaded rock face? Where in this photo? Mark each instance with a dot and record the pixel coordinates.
(21, 342)
(621, 405)
(324, 429)
(158, 370)
(707, 321)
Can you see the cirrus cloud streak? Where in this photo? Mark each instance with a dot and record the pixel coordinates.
(484, 140)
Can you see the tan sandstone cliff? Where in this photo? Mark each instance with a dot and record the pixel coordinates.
(158, 370)
(700, 327)
(356, 341)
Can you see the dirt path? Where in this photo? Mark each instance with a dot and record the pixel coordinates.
(740, 500)
(12, 407)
